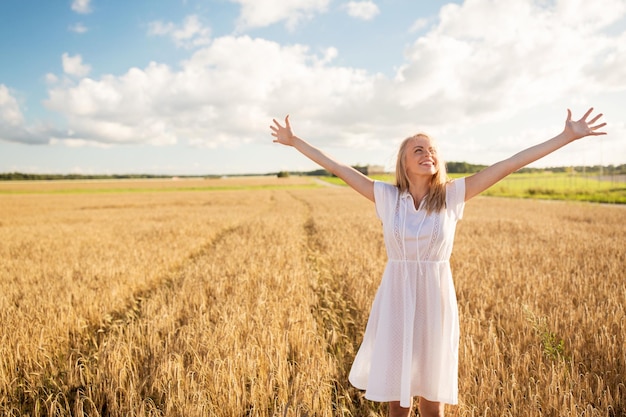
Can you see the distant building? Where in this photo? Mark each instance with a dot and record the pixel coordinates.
(370, 169)
(375, 169)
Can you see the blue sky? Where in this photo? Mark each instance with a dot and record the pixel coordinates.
(189, 87)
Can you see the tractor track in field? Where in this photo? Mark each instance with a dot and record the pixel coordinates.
(335, 310)
(68, 377)
(88, 340)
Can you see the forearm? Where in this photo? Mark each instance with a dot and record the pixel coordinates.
(484, 179)
(534, 153)
(355, 179)
(316, 155)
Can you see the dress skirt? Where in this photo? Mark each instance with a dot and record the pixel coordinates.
(411, 342)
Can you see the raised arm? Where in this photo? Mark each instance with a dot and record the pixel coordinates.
(355, 179)
(479, 182)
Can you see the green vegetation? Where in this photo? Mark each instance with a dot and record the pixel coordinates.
(562, 186)
(452, 168)
(600, 184)
(553, 345)
(547, 186)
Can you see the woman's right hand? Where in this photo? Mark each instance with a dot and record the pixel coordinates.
(283, 134)
(355, 179)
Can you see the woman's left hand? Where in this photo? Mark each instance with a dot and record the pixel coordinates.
(283, 134)
(576, 129)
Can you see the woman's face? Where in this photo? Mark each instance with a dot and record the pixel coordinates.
(420, 156)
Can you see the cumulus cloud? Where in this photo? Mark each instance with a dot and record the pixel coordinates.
(460, 73)
(78, 28)
(529, 53)
(221, 96)
(81, 6)
(73, 65)
(261, 13)
(10, 113)
(13, 127)
(51, 78)
(192, 33)
(365, 10)
(418, 25)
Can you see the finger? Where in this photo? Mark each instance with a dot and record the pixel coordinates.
(592, 130)
(587, 114)
(287, 125)
(569, 115)
(276, 122)
(592, 121)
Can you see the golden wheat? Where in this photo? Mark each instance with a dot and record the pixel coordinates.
(175, 300)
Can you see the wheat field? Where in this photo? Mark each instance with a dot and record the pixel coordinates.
(249, 297)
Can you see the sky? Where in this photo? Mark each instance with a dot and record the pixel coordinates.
(190, 87)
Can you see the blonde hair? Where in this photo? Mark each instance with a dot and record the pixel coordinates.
(436, 198)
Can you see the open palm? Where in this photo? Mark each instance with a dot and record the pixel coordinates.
(577, 129)
(283, 134)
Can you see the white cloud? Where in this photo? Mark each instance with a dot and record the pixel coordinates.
(418, 25)
(223, 95)
(261, 13)
(13, 127)
(51, 78)
(457, 77)
(73, 65)
(81, 6)
(190, 34)
(529, 53)
(70, 142)
(10, 113)
(78, 28)
(365, 10)
(158, 28)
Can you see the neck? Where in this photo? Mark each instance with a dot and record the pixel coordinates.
(419, 187)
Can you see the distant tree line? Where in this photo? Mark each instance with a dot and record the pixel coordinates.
(20, 176)
(463, 167)
(592, 170)
(452, 168)
(467, 168)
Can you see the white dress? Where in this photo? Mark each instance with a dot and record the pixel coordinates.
(411, 342)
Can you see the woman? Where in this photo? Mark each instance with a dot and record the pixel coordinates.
(410, 345)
